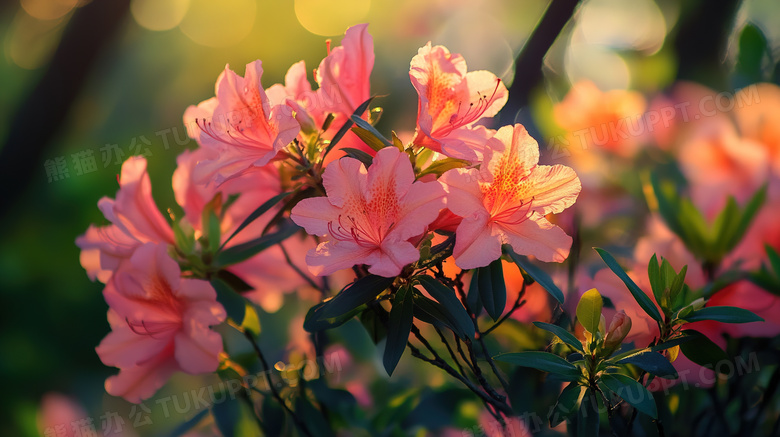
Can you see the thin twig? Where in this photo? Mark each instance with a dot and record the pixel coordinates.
(518, 303)
(449, 349)
(298, 270)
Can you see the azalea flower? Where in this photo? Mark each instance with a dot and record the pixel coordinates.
(452, 102)
(267, 272)
(160, 324)
(505, 201)
(344, 83)
(134, 218)
(239, 127)
(369, 215)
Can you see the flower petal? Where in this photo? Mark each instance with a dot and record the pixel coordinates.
(538, 237)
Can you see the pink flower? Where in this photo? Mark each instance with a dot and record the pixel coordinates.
(267, 272)
(160, 324)
(718, 163)
(505, 201)
(134, 218)
(344, 74)
(610, 120)
(369, 216)
(452, 101)
(239, 127)
(344, 84)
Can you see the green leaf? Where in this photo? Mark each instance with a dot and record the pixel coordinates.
(234, 303)
(652, 362)
(312, 417)
(647, 305)
(432, 312)
(589, 310)
(701, 350)
(375, 322)
(235, 282)
(227, 414)
(565, 336)
(262, 209)
(567, 404)
(724, 314)
(472, 299)
(379, 141)
(748, 213)
(455, 311)
(656, 280)
(632, 392)
(244, 251)
(439, 167)
(347, 125)
(360, 292)
(315, 322)
(251, 321)
(588, 416)
(492, 289)
(753, 47)
(368, 138)
(543, 361)
(398, 328)
(671, 343)
(536, 273)
(360, 155)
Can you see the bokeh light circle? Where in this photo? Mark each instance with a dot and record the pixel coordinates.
(159, 14)
(219, 24)
(328, 18)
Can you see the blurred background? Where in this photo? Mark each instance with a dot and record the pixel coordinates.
(84, 85)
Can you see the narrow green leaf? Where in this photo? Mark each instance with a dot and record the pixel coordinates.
(472, 299)
(366, 126)
(724, 314)
(488, 296)
(439, 167)
(589, 310)
(454, 308)
(360, 155)
(398, 328)
(748, 213)
(262, 209)
(652, 362)
(647, 305)
(536, 273)
(375, 326)
(234, 281)
(565, 336)
(360, 292)
(234, 303)
(244, 251)
(632, 392)
(543, 361)
(656, 280)
(433, 313)
(567, 404)
(347, 125)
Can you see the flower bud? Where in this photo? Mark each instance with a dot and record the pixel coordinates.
(618, 330)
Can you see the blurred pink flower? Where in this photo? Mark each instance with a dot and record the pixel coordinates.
(267, 272)
(134, 218)
(60, 416)
(160, 324)
(452, 101)
(757, 111)
(506, 201)
(239, 127)
(718, 163)
(369, 216)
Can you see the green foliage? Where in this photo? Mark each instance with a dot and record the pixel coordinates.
(632, 392)
(492, 289)
(454, 311)
(589, 310)
(562, 334)
(234, 303)
(543, 361)
(535, 273)
(399, 326)
(641, 298)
